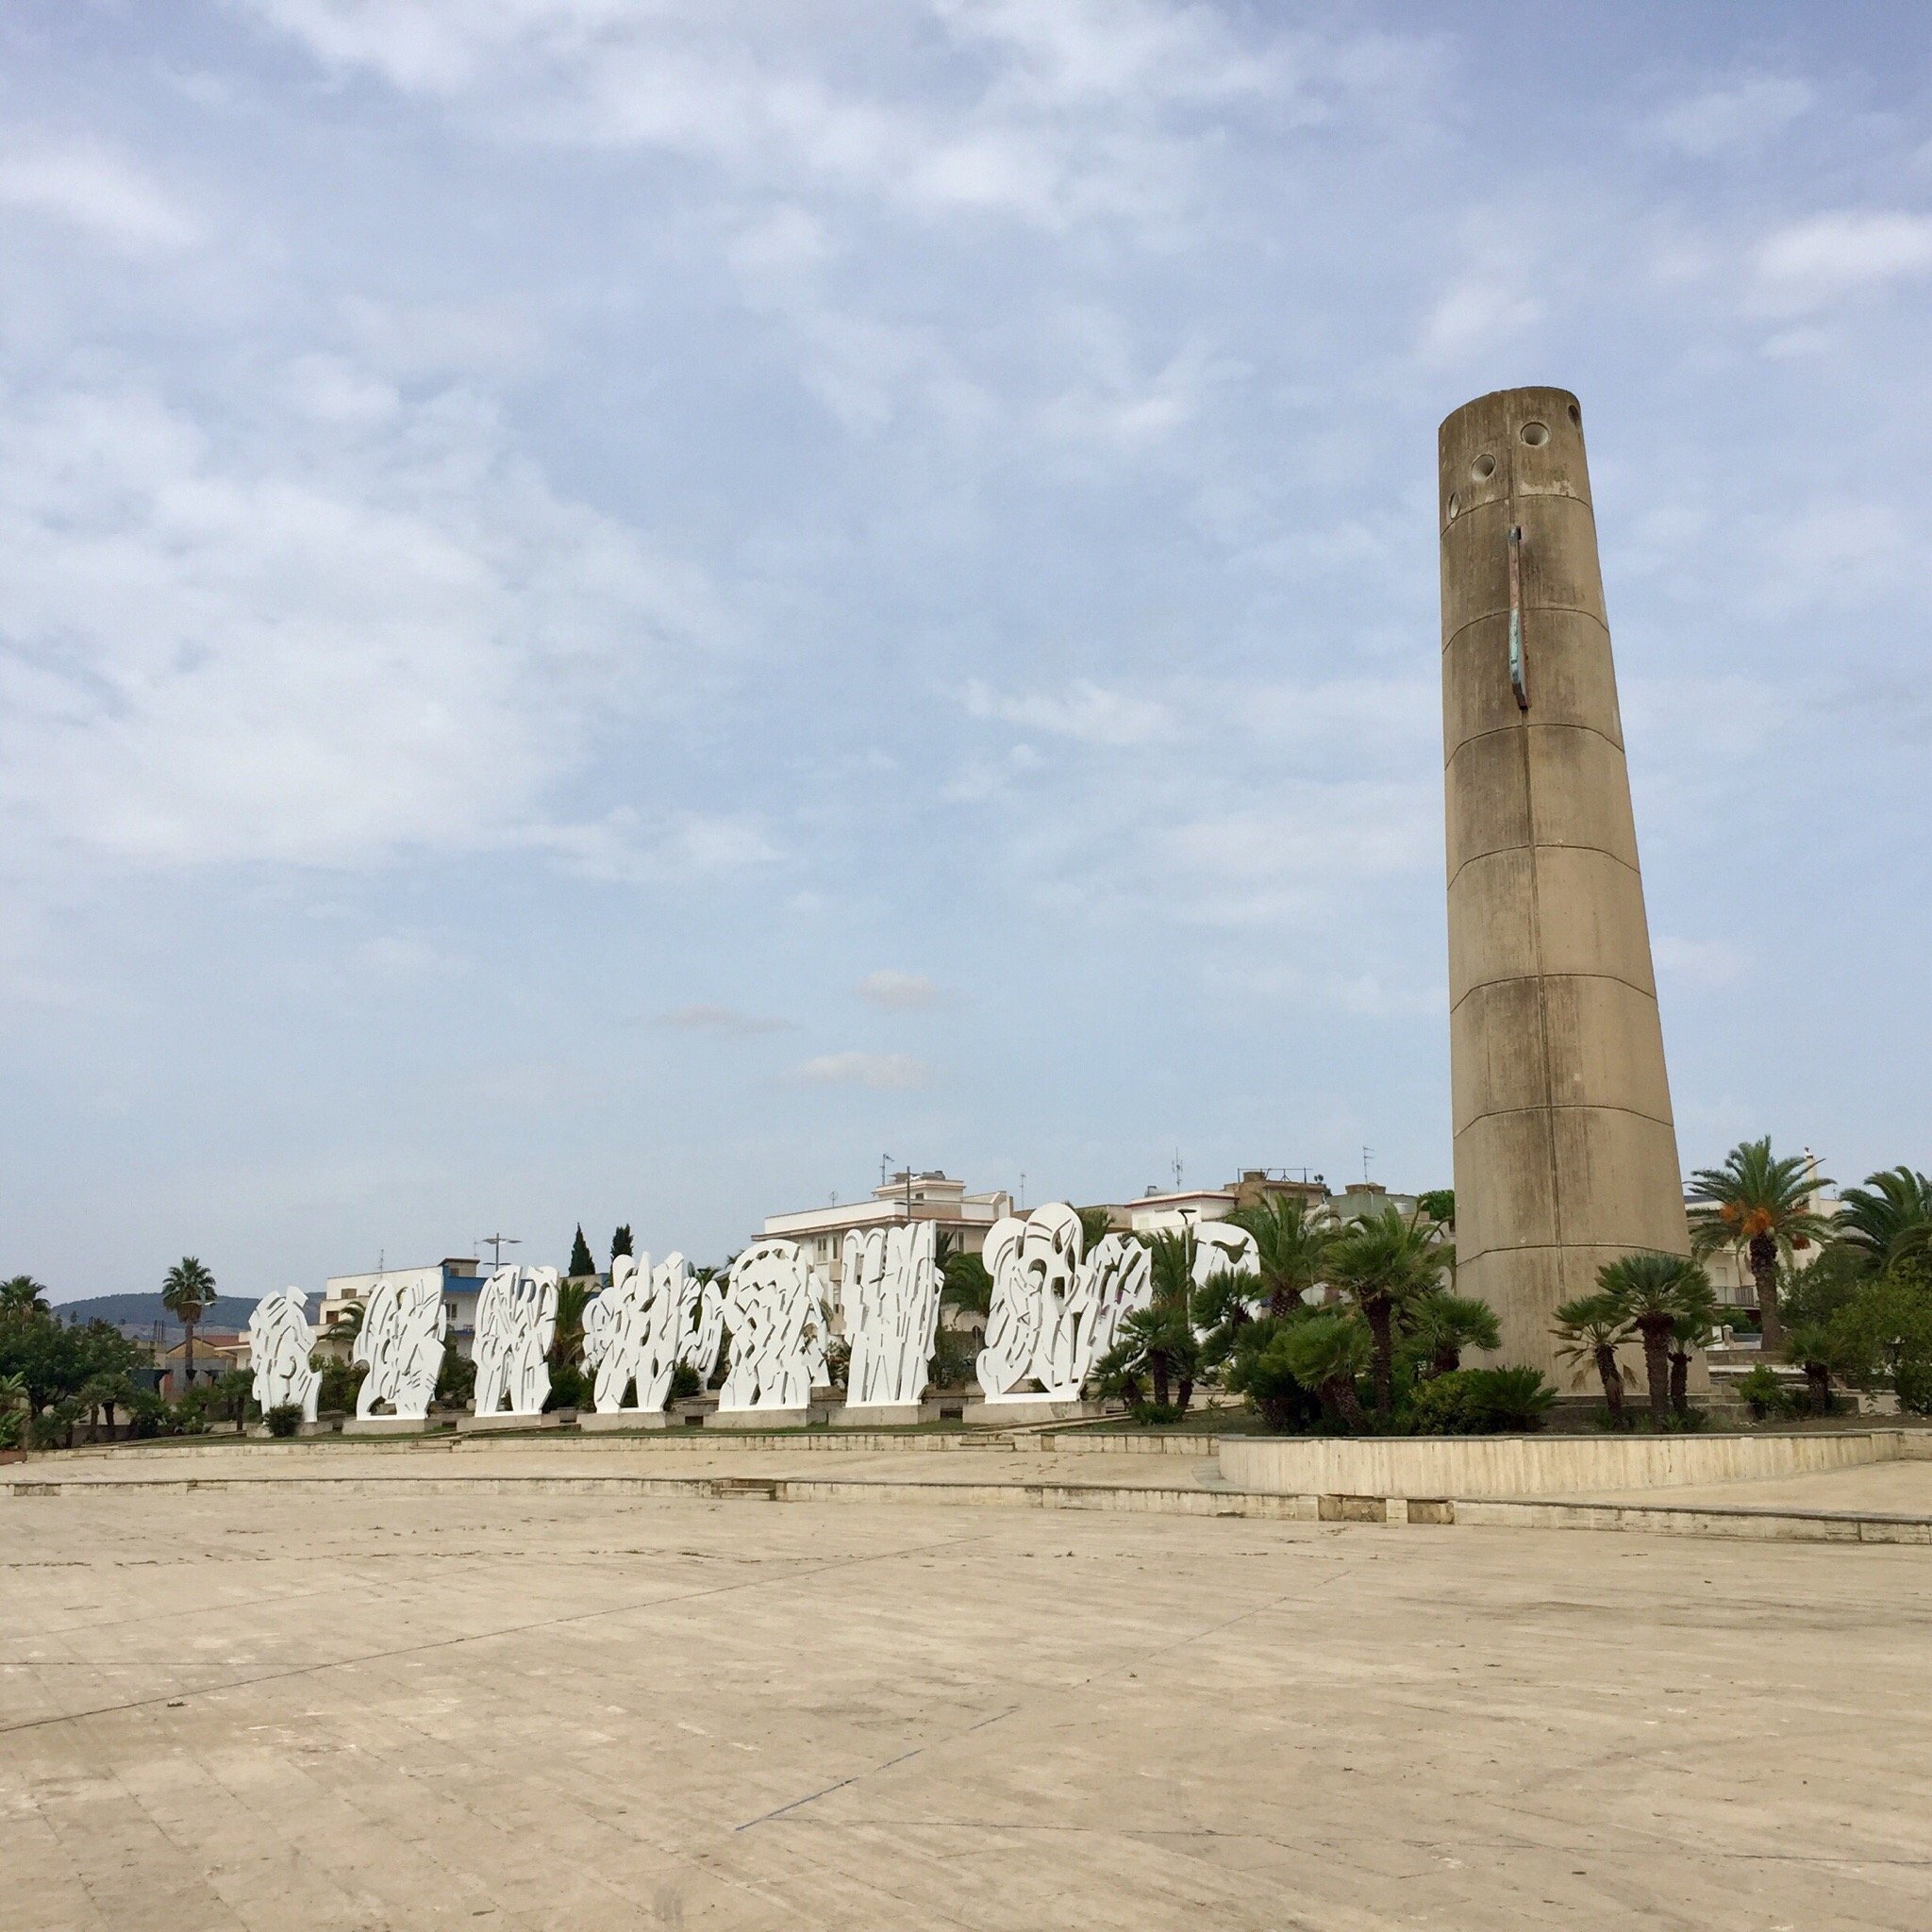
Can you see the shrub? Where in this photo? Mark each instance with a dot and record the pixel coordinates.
(570, 1388)
(456, 1378)
(148, 1415)
(46, 1431)
(1150, 1413)
(11, 1420)
(685, 1382)
(341, 1381)
(1912, 1378)
(1764, 1393)
(284, 1419)
(1481, 1402)
(1259, 1369)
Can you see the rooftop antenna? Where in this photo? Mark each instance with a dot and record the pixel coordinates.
(496, 1243)
(1022, 1187)
(1176, 1169)
(1368, 1154)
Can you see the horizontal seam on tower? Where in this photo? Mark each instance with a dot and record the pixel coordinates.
(1492, 851)
(1515, 979)
(1636, 1114)
(1529, 724)
(1528, 610)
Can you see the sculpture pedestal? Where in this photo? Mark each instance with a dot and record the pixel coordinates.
(389, 1425)
(599, 1421)
(759, 1418)
(503, 1419)
(877, 1415)
(1022, 1409)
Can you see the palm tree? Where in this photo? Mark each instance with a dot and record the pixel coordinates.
(1385, 1264)
(1696, 1323)
(1161, 1338)
(1592, 1329)
(23, 1295)
(1442, 1325)
(1758, 1204)
(1292, 1244)
(1889, 1216)
(1326, 1352)
(185, 1293)
(1651, 1292)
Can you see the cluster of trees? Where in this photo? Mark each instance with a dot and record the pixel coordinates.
(1382, 1349)
(59, 1383)
(1856, 1308)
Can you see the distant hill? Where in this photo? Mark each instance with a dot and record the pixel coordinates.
(138, 1313)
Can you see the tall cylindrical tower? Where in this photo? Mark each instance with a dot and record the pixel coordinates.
(1566, 1156)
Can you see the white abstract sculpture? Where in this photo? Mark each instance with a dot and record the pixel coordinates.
(279, 1343)
(890, 1288)
(1055, 1311)
(516, 1318)
(1222, 1248)
(631, 1331)
(774, 1308)
(401, 1344)
(701, 1324)
(1114, 1280)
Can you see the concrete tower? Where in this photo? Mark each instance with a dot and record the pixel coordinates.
(1566, 1156)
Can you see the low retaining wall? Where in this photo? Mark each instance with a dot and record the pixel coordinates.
(1538, 1465)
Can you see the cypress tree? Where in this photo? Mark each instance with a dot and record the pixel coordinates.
(581, 1262)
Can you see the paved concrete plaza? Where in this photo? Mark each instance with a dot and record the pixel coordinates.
(414, 1708)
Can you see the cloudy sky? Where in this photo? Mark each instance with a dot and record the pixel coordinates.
(612, 610)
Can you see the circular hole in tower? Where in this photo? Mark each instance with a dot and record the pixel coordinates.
(1576, 415)
(1483, 468)
(1455, 504)
(1535, 434)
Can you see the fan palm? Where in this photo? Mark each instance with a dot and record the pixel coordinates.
(1385, 1265)
(1697, 1322)
(1592, 1329)
(1758, 1204)
(1326, 1352)
(1889, 1217)
(23, 1295)
(1292, 1244)
(187, 1292)
(1652, 1292)
(1442, 1325)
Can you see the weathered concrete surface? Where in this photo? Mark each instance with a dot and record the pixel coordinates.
(1543, 1465)
(1565, 1151)
(422, 1711)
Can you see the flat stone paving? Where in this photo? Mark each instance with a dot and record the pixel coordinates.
(1903, 1489)
(424, 1708)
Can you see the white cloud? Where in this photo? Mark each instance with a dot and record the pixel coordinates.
(1086, 711)
(1483, 311)
(882, 1071)
(900, 992)
(89, 188)
(1702, 963)
(722, 1020)
(1813, 262)
(324, 632)
(1743, 114)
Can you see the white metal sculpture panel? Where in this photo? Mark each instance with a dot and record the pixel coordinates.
(890, 1288)
(774, 1309)
(516, 1318)
(701, 1323)
(631, 1331)
(279, 1343)
(1115, 1279)
(401, 1344)
(1056, 1310)
(1222, 1248)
